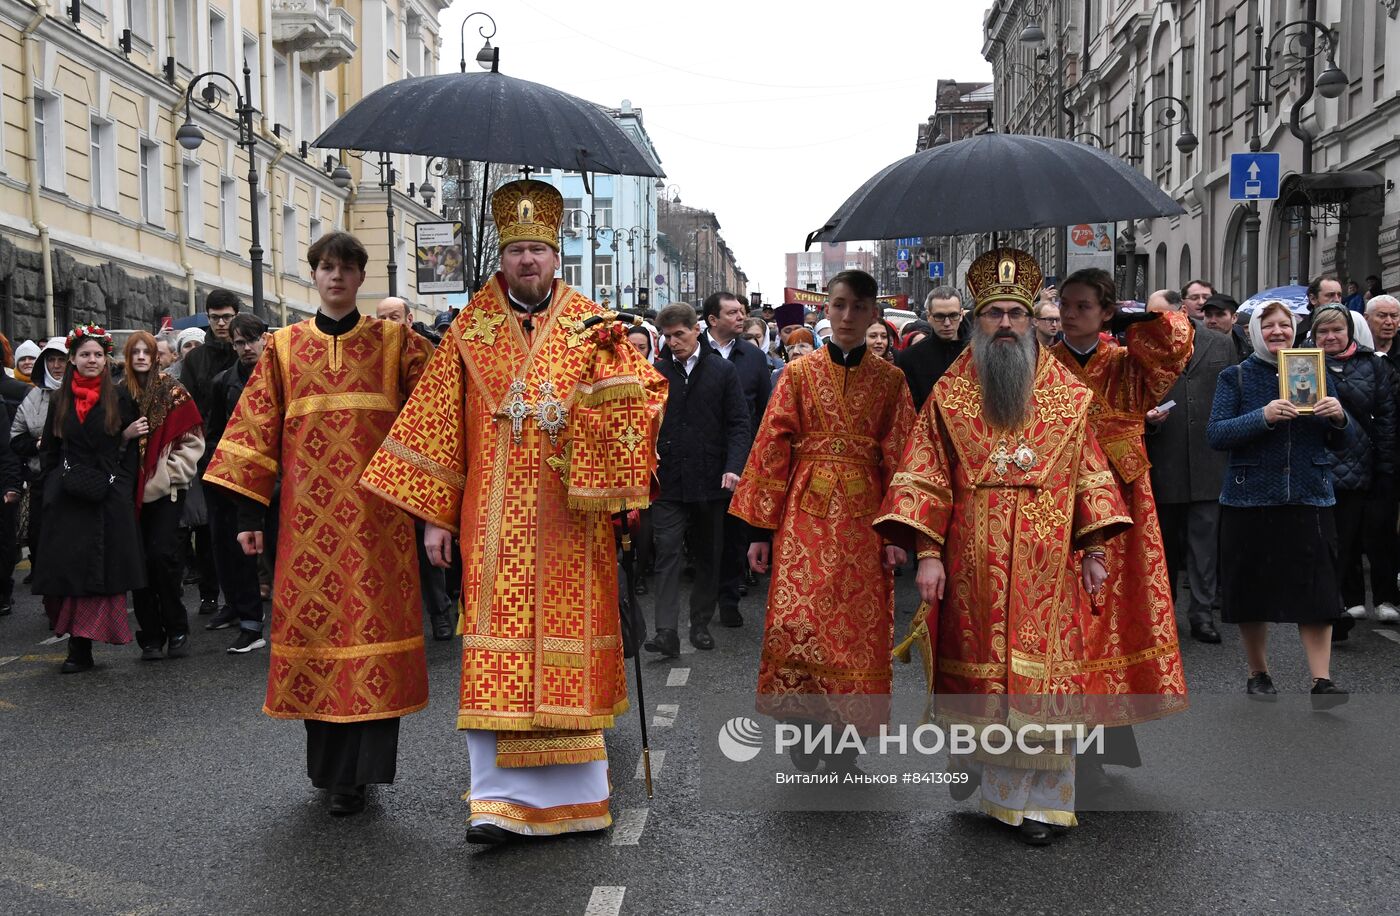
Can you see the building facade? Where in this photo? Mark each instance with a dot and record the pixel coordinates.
(105, 217)
(1136, 77)
(814, 269)
(700, 260)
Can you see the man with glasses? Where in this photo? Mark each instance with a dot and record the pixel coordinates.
(1194, 296)
(926, 361)
(198, 369)
(1005, 495)
(1047, 322)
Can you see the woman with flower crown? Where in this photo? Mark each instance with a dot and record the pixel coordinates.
(90, 547)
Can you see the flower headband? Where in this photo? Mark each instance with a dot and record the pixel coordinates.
(92, 331)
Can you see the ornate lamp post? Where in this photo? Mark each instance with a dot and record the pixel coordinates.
(388, 177)
(191, 138)
(1187, 143)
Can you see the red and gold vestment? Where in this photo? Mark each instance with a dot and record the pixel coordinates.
(347, 631)
(826, 449)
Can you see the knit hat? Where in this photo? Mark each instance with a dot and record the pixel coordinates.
(186, 336)
(28, 348)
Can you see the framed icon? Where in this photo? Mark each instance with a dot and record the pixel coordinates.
(1302, 378)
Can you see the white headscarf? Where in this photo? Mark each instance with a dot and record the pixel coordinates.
(1256, 331)
(59, 345)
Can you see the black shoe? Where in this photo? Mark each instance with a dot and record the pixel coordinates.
(1326, 694)
(246, 642)
(345, 801)
(1205, 632)
(442, 628)
(5, 608)
(1035, 833)
(74, 666)
(226, 618)
(666, 642)
(743, 591)
(700, 638)
(1341, 628)
(151, 654)
(730, 617)
(962, 791)
(175, 647)
(804, 761)
(1260, 684)
(489, 835)
(208, 606)
(641, 586)
(79, 656)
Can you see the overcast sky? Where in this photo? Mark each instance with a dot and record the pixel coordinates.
(768, 113)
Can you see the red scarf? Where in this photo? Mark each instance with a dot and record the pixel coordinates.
(86, 392)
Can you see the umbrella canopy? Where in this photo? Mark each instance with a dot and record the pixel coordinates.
(197, 320)
(1295, 297)
(489, 117)
(995, 183)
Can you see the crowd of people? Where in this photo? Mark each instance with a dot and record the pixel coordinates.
(1033, 453)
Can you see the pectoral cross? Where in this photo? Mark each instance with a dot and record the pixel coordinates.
(516, 409)
(1002, 458)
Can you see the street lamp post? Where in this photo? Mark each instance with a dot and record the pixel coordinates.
(1137, 130)
(1308, 38)
(617, 263)
(191, 138)
(388, 177)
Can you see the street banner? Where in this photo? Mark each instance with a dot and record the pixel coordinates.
(1089, 245)
(818, 299)
(438, 253)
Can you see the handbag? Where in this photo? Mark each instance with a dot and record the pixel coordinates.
(84, 482)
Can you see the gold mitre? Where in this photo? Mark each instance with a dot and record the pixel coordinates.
(1003, 273)
(528, 211)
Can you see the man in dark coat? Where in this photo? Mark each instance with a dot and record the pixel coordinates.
(1187, 472)
(926, 361)
(1220, 312)
(704, 443)
(724, 315)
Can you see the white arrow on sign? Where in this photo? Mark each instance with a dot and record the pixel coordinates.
(1253, 171)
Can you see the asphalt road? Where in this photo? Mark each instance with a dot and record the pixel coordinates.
(160, 788)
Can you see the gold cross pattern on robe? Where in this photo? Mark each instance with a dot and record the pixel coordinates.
(560, 460)
(483, 327)
(630, 438)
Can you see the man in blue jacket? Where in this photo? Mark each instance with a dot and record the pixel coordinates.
(724, 315)
(704, 443)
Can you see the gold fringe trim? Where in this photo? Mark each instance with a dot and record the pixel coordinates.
(549, 758)
(367, 717)
(609, 504)
(540, 720)
(1014, 817)
(612, 390)
(548, 828)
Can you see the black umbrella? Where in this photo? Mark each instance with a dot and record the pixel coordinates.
(994, 183)
(489, 117)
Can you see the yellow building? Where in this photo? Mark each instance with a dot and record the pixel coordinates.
(104, 216)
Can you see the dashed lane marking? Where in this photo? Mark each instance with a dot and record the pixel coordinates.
(628, 827)
(606, 900)
(657, 759)
(665, 714)
(1388, 634)
(89, 889)
(678, 677)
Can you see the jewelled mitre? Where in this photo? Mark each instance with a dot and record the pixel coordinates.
(528, 211)
(1003, 274)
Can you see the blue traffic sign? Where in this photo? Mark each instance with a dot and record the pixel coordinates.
(902, 254)
(935, 270)
(911, 242)
(1254, 176)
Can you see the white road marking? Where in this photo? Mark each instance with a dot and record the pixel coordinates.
(665, 714)
(53, 639)
(657, 759)
(677, 677)
(605, 901)
(1391, 635)
(628, 827)
(7, 659)
(89, 889)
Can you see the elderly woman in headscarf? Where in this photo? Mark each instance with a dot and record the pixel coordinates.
(798, 343)
(1363, 474)
(27, 427)
(26, 355)
(1277, 530)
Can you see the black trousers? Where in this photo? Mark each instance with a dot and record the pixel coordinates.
(347, 754)
(237, 573)
(204, 562)
(9, 549)
(673, 522)
(733, 558)
(160, 607)
(1366, 524)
